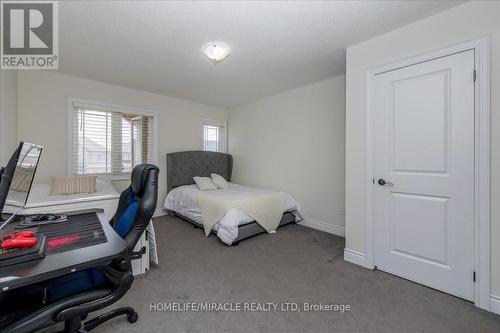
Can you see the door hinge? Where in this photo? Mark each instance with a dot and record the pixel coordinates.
(474, 276)
(373, 180)
(474, 75)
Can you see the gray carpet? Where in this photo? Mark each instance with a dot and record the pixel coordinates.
(297, 264)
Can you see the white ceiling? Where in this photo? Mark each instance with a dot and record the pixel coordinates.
(276, 46)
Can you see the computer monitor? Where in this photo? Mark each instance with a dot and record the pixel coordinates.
(17, 177)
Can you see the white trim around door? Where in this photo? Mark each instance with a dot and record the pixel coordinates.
(481, 47)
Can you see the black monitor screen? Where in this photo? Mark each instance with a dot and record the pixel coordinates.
(18, 175)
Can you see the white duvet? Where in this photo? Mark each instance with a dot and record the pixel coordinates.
(184, 201)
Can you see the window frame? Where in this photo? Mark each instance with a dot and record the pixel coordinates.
(108, 107)
(218, 123)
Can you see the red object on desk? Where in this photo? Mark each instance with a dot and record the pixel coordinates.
(19, 240)
(57, 242)
(19, 243)
(25, 234)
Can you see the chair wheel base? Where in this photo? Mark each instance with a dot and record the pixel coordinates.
(131, 314)
(132, 318)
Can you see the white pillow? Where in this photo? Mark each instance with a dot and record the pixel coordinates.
(204, 183)
(219, 181)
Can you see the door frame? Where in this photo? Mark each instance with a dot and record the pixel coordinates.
(481, 47)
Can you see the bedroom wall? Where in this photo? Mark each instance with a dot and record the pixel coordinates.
(294, 142)
(465, 22)
(8, 114)
(43, 115)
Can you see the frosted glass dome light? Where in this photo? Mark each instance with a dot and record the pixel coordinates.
(215, 51)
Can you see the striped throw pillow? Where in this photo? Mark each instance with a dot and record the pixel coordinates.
(73, 185)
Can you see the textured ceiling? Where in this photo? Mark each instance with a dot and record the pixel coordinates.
(276, 46)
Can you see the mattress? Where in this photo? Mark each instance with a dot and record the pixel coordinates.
(183, 200)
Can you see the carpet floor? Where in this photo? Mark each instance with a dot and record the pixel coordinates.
(296, 265)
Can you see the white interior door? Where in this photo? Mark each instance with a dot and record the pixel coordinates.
(424, 152)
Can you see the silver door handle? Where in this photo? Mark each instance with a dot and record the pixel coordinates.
(383, 182)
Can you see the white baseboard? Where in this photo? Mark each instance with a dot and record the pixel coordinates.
(495, 304)
(326, 227)
(355, 257)
(159, 212)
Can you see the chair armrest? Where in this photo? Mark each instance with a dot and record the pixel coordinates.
(125, 264)
(124, 282)
(138, 255)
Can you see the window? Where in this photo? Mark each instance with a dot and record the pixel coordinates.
(214, 135)
(108, 141)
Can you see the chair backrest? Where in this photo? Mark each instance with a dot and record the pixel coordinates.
(137, 204)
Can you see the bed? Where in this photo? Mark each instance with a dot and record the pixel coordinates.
(182, 195)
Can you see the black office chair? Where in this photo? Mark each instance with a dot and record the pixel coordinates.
(97, 288)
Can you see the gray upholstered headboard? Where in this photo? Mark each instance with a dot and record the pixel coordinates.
(184, 165)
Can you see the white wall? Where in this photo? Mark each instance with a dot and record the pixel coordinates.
(465, 22)
(43, 115)
(295, 142)
(8, 114)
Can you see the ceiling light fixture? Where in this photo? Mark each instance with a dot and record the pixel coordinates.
(215, 51)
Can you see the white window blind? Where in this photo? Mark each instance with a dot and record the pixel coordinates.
(214, 135)
(109, 141)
